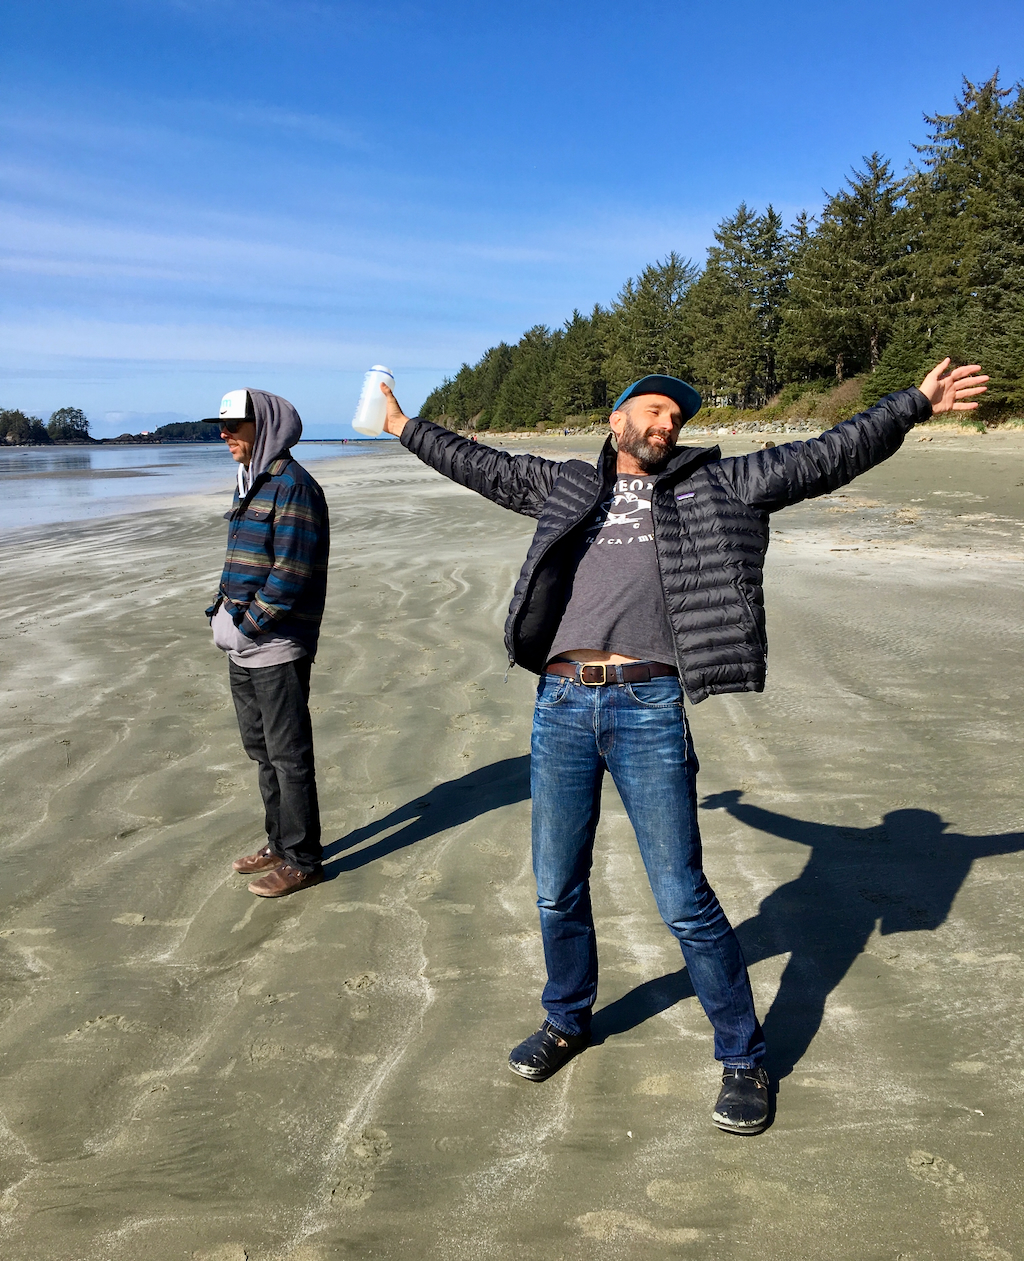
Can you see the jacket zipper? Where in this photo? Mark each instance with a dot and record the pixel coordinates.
(540, 559)
(664, 593)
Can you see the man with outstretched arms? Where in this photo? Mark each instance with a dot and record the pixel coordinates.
(643, 582)
(266, 617)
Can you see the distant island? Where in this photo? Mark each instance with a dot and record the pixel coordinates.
(69, 426)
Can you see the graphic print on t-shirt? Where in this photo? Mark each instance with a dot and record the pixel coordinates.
(616, 603)
(624, 518)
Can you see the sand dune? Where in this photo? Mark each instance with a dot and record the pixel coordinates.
(188, 1071)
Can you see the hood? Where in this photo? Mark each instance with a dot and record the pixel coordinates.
(278, 428)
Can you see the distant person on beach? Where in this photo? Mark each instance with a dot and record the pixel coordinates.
(643, 582)
(266, 617)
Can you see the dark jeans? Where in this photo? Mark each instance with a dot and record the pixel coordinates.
(639, 733)
(272, 704)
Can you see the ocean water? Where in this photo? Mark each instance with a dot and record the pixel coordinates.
(45, 485)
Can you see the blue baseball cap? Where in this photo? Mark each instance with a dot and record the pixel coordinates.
(678, 391)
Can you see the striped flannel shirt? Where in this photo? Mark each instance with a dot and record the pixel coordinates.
(275, 571)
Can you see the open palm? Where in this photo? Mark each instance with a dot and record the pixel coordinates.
(947, 391)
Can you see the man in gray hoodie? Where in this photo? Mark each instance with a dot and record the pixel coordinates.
(266, 616)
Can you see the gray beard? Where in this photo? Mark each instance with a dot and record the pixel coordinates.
(650, 458)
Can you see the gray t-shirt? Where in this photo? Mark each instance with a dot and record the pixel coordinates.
(616, 603)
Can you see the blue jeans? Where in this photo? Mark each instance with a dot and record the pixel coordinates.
(639, 733)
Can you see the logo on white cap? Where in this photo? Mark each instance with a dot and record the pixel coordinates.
(232, 405)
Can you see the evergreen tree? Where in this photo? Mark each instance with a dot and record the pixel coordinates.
(647, 331)
(578, 384)
(466, 398)
(773, 266)
(723, 327)
(850, 279)
(735, 308)
(20, 430)
(951, 198)
(969, 207)
(68, 424)
(524, 398)
(907, 358)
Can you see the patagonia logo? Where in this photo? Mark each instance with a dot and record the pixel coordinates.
(689, 495)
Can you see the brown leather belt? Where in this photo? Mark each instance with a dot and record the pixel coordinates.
(602, 675)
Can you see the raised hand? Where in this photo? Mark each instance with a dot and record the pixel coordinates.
(395, 419)
(946, 391)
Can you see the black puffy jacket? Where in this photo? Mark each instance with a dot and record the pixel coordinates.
(710, 517)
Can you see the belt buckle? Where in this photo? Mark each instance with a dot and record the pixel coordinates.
(596, 682)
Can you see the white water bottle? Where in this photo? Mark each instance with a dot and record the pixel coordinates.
(372, 405)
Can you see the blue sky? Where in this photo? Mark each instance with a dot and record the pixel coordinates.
(201, 194)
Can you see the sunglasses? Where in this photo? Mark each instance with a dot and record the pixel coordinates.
(231, 426)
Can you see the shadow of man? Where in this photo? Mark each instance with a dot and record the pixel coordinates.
(446, 806)
(901, 876)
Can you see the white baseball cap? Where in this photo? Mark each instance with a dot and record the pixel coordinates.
(235, 405)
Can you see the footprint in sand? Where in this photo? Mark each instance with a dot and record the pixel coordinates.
(678, 1085)
(933, 1169)
(492, 848)
(362, 1160)
(356, 984)
(266, 1051)
(610, 1225)
(104, 1024)
(966, 1226)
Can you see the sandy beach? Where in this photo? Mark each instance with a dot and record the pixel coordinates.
(187, 1071)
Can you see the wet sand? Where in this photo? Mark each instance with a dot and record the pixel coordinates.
(187, 1071)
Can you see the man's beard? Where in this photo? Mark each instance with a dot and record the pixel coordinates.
(650, 456)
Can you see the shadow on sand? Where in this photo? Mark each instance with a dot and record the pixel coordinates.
(900, 876)
(446, 806)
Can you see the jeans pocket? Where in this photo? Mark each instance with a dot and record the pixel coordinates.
(552, 689)
(663, 693)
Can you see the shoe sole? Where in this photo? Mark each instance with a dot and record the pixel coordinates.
(283, 893)
(527, 1075)
(732, 1127)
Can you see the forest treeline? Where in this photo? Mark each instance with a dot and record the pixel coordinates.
(894, 273)
(66, 424)
(70, 424)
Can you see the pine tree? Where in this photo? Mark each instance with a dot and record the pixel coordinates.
(850, 279)
(951, 198)
(579, 384)
(524, 399)
(735, 308)
(647, 331)
(68, 424)
(773, 266)
(968, 206)
(466, 398)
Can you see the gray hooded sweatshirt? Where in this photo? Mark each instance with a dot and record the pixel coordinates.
(278, 429)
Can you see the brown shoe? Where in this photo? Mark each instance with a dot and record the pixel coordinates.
(285, 879)
(263, 860)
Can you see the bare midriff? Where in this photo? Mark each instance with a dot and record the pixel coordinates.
(593, 656)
